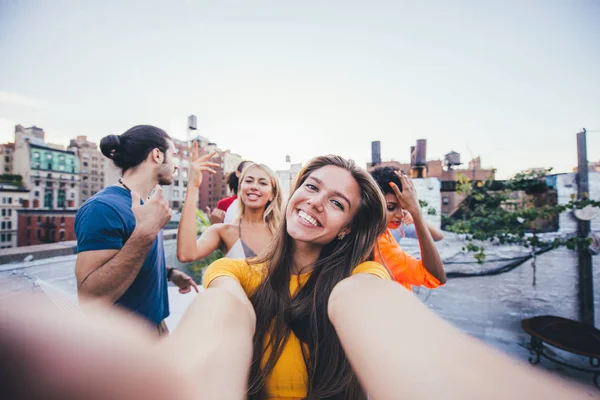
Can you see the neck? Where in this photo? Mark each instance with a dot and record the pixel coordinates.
(138, 181)
(254, 216)
(305, 254)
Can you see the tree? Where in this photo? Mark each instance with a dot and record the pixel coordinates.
(512, 212)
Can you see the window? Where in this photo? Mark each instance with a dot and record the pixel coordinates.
(3, 225)
(36, 194)
(39, 234)
(4, 212)
(48, 199)
(2, 238)
(36, 155)
(9, 237)
(4, 200)
(39, 219)
(62, 220)
(9, 212)
(175, 193)
(6, 159)
(9, 225)
(10, 200)
(48, 156)
(29, 220)
(445, 200)
(62, 236)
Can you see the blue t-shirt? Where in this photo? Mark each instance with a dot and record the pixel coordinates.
(106, 221)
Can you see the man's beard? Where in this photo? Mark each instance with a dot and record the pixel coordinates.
(166, 178)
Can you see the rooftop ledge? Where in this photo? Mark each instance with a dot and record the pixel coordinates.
(42, 251)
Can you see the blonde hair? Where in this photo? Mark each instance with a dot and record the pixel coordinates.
(274, 209)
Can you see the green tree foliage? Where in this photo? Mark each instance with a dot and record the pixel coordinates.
(492, 213)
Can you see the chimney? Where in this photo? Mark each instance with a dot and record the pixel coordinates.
(419, 162)
(375, 153)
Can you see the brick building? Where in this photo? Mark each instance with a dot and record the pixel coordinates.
(445, 171)
(45, 226)
(51, 174)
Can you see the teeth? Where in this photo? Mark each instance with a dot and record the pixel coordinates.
(308, 218)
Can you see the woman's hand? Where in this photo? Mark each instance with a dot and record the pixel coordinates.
(198, 165)
(407, 198)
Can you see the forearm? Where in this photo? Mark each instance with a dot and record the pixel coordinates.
(436, 233)
(112, 279)
(186, 233)
(392, 340)
(221, 360)
(429, 253)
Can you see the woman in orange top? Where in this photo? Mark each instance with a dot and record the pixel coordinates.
(400, 195)
(332, 221)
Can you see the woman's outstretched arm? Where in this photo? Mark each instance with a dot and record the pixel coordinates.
(401, 350)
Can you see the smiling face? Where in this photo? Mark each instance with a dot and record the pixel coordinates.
(256, 189)
(323, 206)
(395, 213)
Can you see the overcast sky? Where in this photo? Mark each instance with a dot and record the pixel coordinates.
(510, 81)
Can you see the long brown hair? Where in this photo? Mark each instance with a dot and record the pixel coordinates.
(330, 375)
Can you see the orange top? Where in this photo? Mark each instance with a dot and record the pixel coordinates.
(405, 269)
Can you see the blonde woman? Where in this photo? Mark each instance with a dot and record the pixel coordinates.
(249, 235)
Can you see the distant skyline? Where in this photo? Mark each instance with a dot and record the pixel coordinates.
(509, 81)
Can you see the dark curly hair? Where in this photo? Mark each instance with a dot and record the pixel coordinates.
(383, 176)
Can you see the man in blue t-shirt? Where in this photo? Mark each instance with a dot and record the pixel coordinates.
(121, 257)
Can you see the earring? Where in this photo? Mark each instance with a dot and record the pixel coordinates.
(341, 236)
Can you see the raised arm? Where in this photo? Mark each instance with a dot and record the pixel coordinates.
(186, 233)
(106, 274)
(429, 254)
(436, 234)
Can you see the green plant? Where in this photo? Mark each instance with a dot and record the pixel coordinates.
(515, 212)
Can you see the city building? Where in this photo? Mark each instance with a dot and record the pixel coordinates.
(11, 200)
(6, 158)
(91, 167)
(445, 170)
(39, 226)
(230, 162)
(287, 179)
(51, 174)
